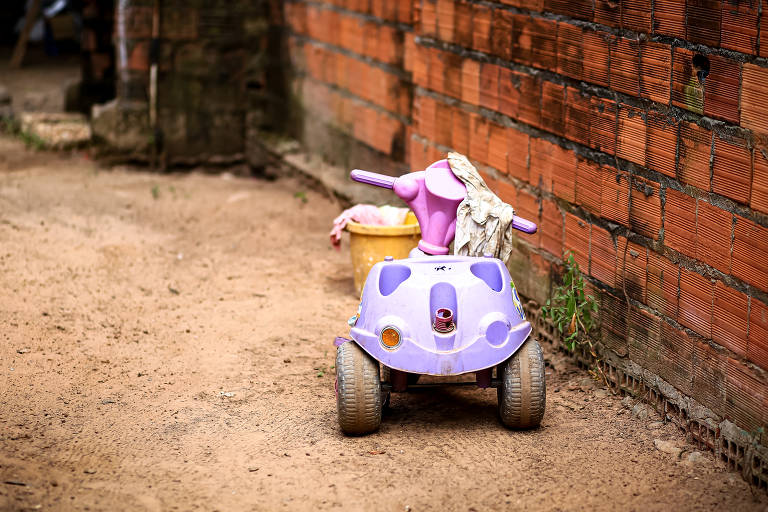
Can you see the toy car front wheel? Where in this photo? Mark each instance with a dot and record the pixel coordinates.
(522, 390)
(358, 397)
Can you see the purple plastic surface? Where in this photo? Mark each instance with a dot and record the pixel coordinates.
(372, 178)
(489, 326)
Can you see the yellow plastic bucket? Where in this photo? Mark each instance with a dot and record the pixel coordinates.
(369, 245)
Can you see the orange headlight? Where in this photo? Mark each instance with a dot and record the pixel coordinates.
(390, 337)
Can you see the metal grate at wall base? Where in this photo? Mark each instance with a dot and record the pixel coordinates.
(737, 448)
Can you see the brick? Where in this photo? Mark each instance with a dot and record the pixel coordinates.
(645, 208)
(351, 33)
(708, 376)
(608, 12)
(644, 338)
(497, 147)
(551, 228)
(754, 97)
(680, 222)
(489, 86)
(517, 153)
(738, 29)
(577, 116)
(636, 16)
(428, 20)
(522, 48)
(596, 67)
(656, 66)
(564, 174)
(138, 58)
(732, 169)
(463, 34)
(589, 185)
(757, 341)
(675, 363)
(445, 20)
(452, 75)
(614, 201)
(750, 247)
(436, 70)
(630, 143)
(481, 24)
(371, 37)
(570, 51)
(501, 34)
(759, 195)
(530, 99)
(631, 267)
(719, 98)
(405, 11)
(687, 92)
(509, 93)
(421, 67)
(729, 319)
(746, 396)
(460, 132)
(614, 324)
(542, 156)
(663, 278)
(669, 18)
(694, 153)
(390, 47)
(506, 192)
(703, 21)
(625, 66)
(713, 236)
(577, 239)
(470, 81)
(544, 44)
(580, 9)
(552, 107)
(661, 145)
(443, 127)
(602, 264)
(424, 114)
(603, 125)
(478, 138)
(696, 302)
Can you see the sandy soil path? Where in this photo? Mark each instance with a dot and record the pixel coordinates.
(165, 344)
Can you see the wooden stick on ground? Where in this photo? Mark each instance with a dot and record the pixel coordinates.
(21, 44)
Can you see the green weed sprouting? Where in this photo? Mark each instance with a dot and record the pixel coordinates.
(571, 310)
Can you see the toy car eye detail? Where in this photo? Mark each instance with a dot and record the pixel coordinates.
(390, 337)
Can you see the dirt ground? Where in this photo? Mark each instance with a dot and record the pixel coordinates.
(166, 344)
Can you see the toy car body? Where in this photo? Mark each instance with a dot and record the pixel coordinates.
(434, 314)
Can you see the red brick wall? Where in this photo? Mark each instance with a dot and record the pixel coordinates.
(587, 116)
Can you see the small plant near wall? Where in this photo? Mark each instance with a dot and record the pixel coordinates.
(573, 312)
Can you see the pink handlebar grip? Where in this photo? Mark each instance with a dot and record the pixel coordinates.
(372, 178)
(523, 225)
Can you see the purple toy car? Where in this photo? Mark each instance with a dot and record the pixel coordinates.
(435, 314)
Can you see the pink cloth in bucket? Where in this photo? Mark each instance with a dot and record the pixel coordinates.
(366, 214)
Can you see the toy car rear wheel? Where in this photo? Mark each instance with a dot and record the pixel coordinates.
(358, 397)
(522, 391)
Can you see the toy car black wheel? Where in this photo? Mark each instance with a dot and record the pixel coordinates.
(358, 397)
(522, 391)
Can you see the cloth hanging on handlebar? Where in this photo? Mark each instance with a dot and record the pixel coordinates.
(483, 221)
